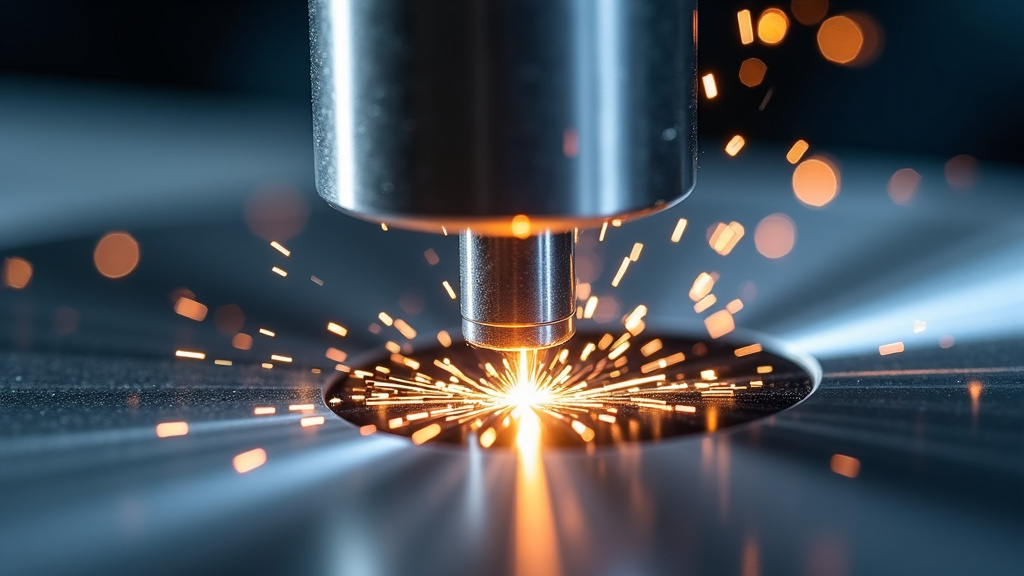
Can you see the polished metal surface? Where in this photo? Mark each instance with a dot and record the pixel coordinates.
(517, 292)
(468, 112)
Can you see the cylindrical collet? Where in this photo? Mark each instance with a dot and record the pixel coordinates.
(517, 293)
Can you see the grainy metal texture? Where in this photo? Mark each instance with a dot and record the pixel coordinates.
(467, 112)
(517, 293)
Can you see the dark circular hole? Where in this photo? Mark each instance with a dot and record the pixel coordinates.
(594, 390)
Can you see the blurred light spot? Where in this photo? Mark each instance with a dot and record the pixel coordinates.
(189, 354)
(705, 303)
(301, 407)
(223, 362)
(426, 433)
(809, 12)
(710, 88)
(816, 182)
(607, 309)
(280, 358)
(65, 320)
(797, 151)
(190, 309)
(746, 27)
(170, 429)
(702, 286)
(116, 254)
(772, 26)
(853, 39)
(444, 338)
(520, 226)
(17, 272)
(367, 430)
(316, 281)
(582, 291)
(764, 369)
(311, 421)
(267, 333)
(734, 306)
(974, 389)
(570, 143)
(431, 256)
(448, 288)
(775, 236)
(946, 341)
(887, 349)
(276, 212)
(962, 172)
(280, 272)
(249, 461)
(264, 410)
(920, 326)
(719, 324)
(336, 355)
(752, 72)
(335, 328)
(242, 341)
(229, 319)
(903, 185)
(845, 465)
(747, 350)
(277, 246)
(677, 232)
(735, 145)
(725, 237)
(267, 365)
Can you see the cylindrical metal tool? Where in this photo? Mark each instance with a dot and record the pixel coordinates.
(465, 114)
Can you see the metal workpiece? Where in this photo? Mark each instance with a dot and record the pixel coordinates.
(517, 293)
(465, 113)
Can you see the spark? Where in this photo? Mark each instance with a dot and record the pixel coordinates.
(316, 281)
(621, 272)
(279, 272)
(190, 354)
(845, 465)
(264, 410)
(385, 319)
(449, 290)
(735, 145)
(444, 338)
(223, 362)
(171, 429)
(764, 369)
(280, 358)
(725, 237)
(634, 254)
(604, 229)
(267, 333)
(277, 246)
(705, 303)
(405, 329)
(719, 324)
(336, 355)
(338, 329)
(301, 408)
(367, 430)
(710, 88)
(311, 421)
(702, 286)
(190, 309)
(797, 151)
(747, 350)
(887, 349)
(677, 232)
(383, 226)
(249, 461)
(267, 365)
(746, 27)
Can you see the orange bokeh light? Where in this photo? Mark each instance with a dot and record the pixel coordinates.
(116, 254)
(752, 72)
(840, 39)
(775, 236)
(808, 12)
(816, 182)
(17, 272)
(903, 185)
(772, 26)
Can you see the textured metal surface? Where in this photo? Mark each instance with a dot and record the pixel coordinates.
(517, 292)
(461, 112)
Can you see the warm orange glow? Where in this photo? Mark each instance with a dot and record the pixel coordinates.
(242, 341)
(746, 27)
(335, 328)
(816, 182)
(536, 541)
(775, 236)
(702, 286)
(735, 145)
(734, 306)
(974, 389)
(277, 246)
(764, 369)
(677, 232)
(705, 303)
(170, 429)
(520, 226)
(962, 172)
(189, 354)
(719, 324)
(809, 12)
(336, 355)
(449, 290)
(116, 254)
(887, 349)
(191, 309)
(725, 237)
(903, 185)
(747, 350)
(444, 338)
(651, 347)
(223, 362)
(426, 433)
(845, 465)
(403, 327)
(797, 151)
(266, 366)
(367, 430)
(249, 461)
(840, 39)
(752, 72)
(311, 421)
(621, 272)
(431, 257)
(280, 358)
(772, 26)
(710, 88)
(17, 272)
(946, 341)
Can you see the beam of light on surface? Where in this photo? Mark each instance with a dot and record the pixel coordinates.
(536, 542)
(979, 300)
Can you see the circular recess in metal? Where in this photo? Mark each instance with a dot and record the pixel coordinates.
(594, 390)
